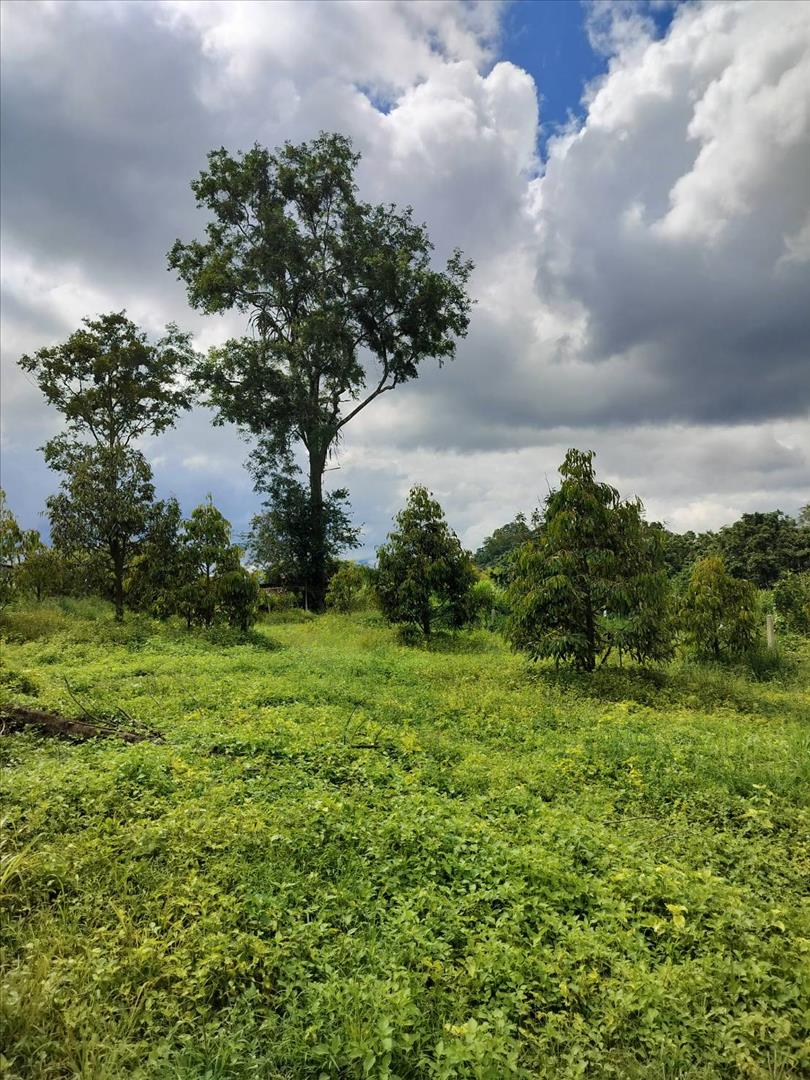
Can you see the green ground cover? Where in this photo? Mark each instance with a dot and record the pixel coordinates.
(353, 859)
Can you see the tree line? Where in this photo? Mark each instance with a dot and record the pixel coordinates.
(591, 579)
(758, 547)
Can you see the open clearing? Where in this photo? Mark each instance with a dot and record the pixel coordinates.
(352, 859)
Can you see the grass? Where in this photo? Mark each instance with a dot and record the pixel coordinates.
(354, 859)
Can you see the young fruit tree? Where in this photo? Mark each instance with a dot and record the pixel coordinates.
(424, 576)
(717, 612)
(342, 301)
(41, 571)
(157, 571)
(592, 580)
(112, 386)
(207, 555)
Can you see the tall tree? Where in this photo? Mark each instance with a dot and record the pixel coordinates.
(593, 579)
(423, 573)
(341, 298)
(112, 386)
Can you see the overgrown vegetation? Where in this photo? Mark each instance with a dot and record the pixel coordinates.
(351, 859)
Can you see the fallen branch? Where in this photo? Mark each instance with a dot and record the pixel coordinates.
(16, 718)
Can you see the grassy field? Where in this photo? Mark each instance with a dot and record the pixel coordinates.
(352, 859)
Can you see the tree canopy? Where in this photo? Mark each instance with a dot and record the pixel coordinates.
(110, 383)
(505, 540)
(341, 297)
(761, 547)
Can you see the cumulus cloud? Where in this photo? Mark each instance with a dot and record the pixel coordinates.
(642, 291)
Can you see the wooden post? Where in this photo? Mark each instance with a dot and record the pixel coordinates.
(770, 635)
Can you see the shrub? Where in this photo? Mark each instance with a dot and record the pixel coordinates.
(349, 588)
(489, 607)
(277, 600)
(718, 612)
(237, 594)
(791, 599)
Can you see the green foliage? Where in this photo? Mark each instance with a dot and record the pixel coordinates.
(281, 540)
(791, 599)
(103, 505)
(11, 551)
(43, 571)
(160, 568)
(238, 597)
(326, 280)
(495, 551)
(206, 554)
(682, 550)
(424, 576)
(111, 387)
(206, 541)
(352, 860)
(718, 613)
(277, 600)
(593, 580)
(110, 383)
(350, 588)
(762, 547)
(489, 604)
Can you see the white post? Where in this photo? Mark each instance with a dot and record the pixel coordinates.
(770, 636)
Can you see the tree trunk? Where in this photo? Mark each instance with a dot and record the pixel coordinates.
(590, 633)
(316, 585)
(118, 583)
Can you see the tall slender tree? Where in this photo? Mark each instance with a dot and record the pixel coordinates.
(342, 301)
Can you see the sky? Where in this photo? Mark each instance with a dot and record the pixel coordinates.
(631, 180)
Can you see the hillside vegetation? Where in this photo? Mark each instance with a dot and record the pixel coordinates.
(353, 859)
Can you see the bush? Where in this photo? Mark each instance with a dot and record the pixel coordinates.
(718, 613)
(350, 588)
(489, 606)
(277, 600)
(238, 598)
(791, 600)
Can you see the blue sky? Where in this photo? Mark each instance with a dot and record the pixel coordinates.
(549, 39)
